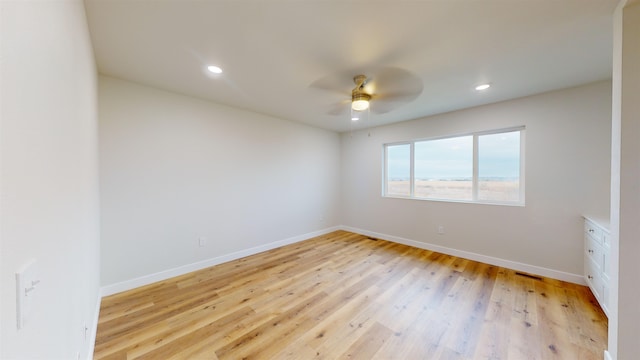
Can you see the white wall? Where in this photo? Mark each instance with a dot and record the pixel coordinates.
(174, 168)
(624, 321)
(567, 175)
(49, 183)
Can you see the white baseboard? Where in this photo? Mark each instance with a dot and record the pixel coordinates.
(93, 327)
(167, 274)
(607, 355)
(514, 265)
(181, 270)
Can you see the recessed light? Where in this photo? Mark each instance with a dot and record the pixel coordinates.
(214, 69)
(355, 118)
(483, 87)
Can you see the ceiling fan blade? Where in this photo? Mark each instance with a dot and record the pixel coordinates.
(339, 108)
(336, 84)
(390, 80)
(340, 82)
(392, 88)
(384, 107)
(398, 97)
(386, 103)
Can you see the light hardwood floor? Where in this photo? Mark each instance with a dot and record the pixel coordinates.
(346, 296)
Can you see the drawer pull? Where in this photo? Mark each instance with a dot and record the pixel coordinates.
(591, 230)
(590, 251)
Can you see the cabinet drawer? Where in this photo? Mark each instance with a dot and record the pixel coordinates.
(592, 276)
(594, 251)
(594, 231)
(597, 245)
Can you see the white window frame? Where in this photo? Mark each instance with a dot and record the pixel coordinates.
(386, 168)
(476, 167)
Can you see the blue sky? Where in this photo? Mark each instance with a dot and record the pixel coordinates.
(499, 157)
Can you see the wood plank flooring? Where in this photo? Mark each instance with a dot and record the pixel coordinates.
(346, 296)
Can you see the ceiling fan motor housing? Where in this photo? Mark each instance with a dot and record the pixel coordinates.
(359, 99)
(358, 95)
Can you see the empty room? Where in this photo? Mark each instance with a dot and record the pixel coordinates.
(278, 179)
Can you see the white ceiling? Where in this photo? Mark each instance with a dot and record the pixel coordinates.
(272, 51)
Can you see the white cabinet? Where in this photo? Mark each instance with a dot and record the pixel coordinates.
(596, 261)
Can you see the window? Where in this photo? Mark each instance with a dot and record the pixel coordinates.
(499, 167)
(483, 167)
(398, 170)
(444, 168)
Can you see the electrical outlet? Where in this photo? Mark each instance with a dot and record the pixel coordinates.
(202, 241)
(441, 230)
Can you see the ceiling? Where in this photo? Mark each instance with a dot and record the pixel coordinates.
(274, 53)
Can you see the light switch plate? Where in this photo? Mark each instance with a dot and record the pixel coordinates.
(26, 284)
(202, 241)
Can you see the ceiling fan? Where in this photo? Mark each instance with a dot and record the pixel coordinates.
(359, 98)
(386, 89)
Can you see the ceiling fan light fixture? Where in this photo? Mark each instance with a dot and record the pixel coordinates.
(360, 105)
(360, 101)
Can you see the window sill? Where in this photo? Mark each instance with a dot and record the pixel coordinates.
(478, 202)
